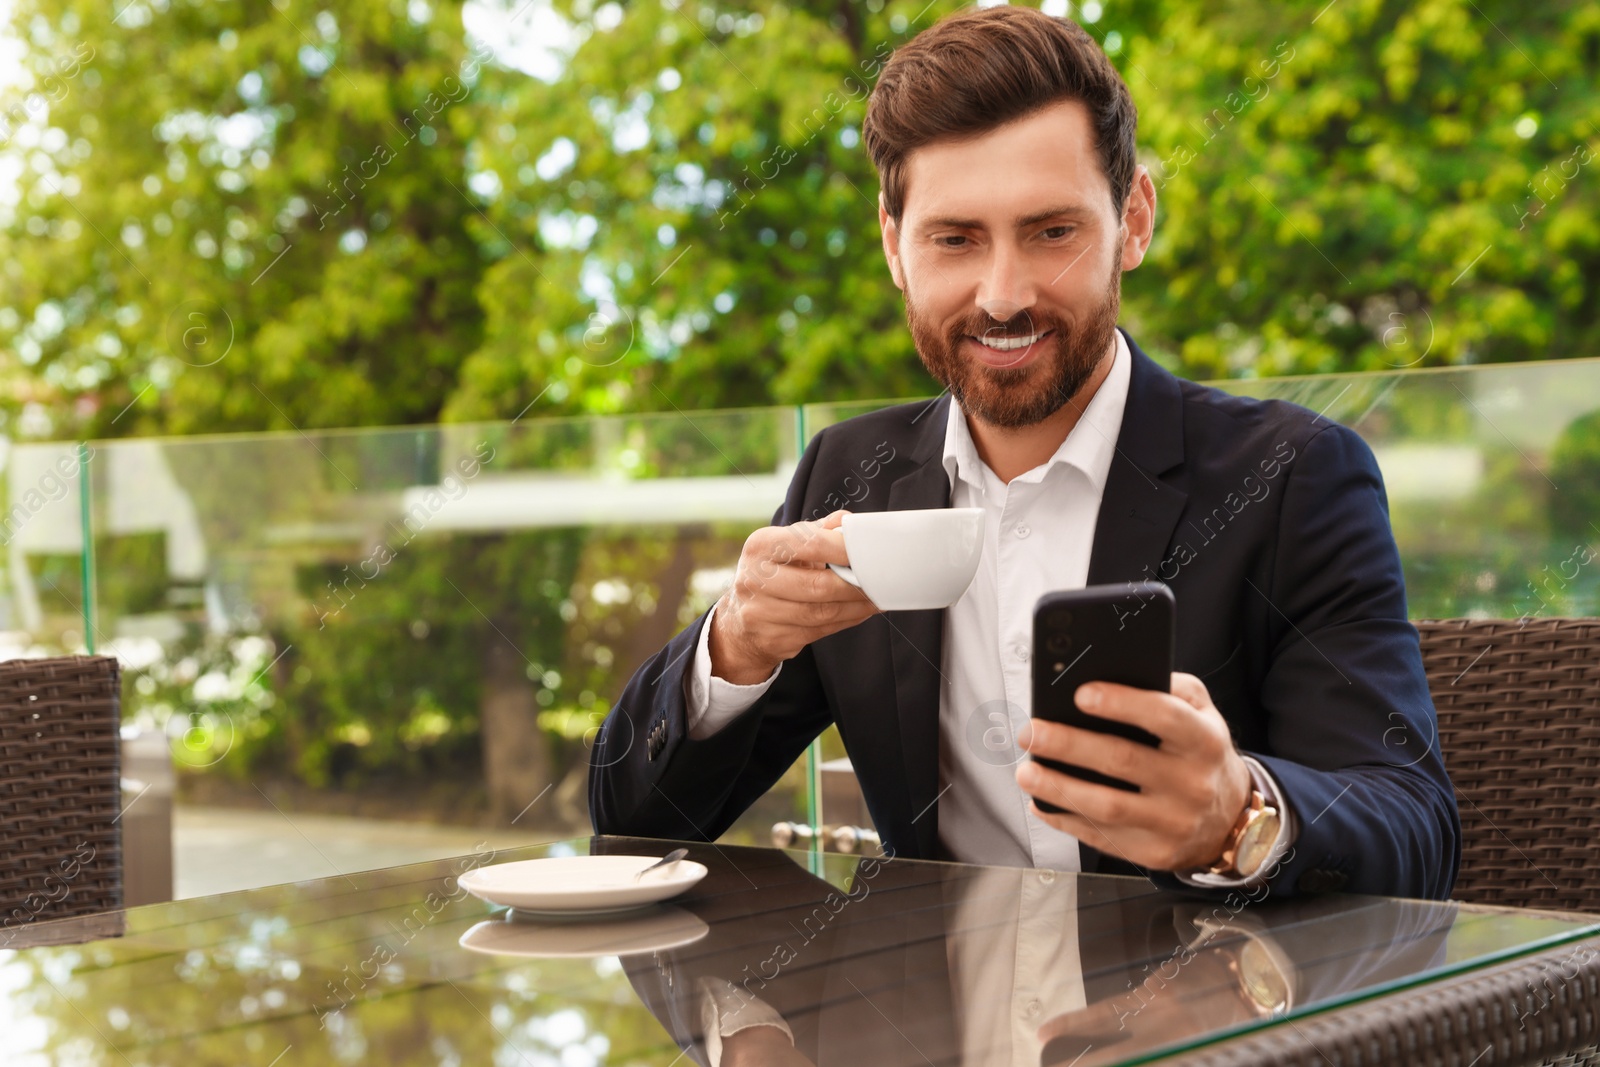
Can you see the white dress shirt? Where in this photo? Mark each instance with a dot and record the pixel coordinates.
(1038, 532)
(1015, 963)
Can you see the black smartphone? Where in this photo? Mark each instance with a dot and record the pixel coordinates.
(1106, 633)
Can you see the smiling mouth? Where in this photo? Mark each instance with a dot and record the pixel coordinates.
(1011, 344)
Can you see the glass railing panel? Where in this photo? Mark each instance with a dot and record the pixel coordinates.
(41, 534)
(421, 623)
(1493, 479)
(364, 622)
(1492, 474)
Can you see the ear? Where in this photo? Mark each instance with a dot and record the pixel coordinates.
(1138, 218)
(891, 245)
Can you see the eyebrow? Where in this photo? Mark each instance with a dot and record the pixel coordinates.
(1064, 211)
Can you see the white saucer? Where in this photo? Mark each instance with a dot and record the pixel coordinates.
(580, 885)
(660, 928)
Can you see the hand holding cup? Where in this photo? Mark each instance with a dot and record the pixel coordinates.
(783, 598)
(796, 584)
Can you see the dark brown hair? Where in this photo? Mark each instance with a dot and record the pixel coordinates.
(985, 67)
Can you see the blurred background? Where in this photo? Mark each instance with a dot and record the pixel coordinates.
(382, 382)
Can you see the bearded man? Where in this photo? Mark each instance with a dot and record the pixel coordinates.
(1011, 203)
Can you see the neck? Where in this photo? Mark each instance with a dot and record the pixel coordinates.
(1010, 451)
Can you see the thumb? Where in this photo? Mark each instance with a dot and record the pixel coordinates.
(1190, 690)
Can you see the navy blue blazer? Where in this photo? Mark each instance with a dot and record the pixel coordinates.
(1271, 527)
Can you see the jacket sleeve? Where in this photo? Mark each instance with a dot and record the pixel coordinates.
(648, 778)
(1352, 735)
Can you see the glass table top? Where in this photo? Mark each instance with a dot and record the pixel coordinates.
(880, 961)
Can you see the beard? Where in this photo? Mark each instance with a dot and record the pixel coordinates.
(1009, 397)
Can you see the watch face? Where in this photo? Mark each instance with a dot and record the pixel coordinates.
(1255, 844)
(1262, 982)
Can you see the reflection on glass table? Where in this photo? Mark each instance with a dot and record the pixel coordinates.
(880, 961)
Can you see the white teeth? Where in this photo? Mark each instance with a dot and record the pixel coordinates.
(1010, 344)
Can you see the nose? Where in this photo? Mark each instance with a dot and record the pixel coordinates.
(1005, 290)
(1000, 310)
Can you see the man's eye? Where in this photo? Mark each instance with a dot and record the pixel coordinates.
(1055, 233)
(953, 241)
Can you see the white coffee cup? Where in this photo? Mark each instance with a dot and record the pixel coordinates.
(912, 560)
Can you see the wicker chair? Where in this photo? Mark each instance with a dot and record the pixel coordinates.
(60, 793)
(1519, 722)
(1519, 726)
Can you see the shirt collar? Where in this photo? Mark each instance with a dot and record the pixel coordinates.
(1089, 447)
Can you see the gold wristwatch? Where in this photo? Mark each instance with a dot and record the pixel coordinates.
(1250, 841)
(1262, 982)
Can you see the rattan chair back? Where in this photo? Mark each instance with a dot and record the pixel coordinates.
(60, 791)
(1519, 725)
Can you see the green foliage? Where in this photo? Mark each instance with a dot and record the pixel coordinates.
(209, 693)
(241, 215)
(1575, 468)
(739, 245)
(386, 672)
(379, 224)
(132, 573)
(1383, 185)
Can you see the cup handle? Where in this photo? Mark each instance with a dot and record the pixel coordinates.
(846, 573)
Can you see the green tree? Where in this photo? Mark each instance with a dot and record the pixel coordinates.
(681, 213)
(240, 216)
(1369, 184)
(1365, 185)
(705, 164)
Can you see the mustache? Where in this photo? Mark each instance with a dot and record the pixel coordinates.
(1020, 325)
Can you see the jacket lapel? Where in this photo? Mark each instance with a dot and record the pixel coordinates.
(916, 641)
(1138, 511)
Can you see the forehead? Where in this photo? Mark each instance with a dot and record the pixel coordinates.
(1040, 160)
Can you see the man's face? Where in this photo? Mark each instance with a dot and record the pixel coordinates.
(1010, 256)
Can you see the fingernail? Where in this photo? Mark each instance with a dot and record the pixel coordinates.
(1088, 697)
(1025, 735)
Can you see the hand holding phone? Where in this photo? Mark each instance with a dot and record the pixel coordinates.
(1105, 633)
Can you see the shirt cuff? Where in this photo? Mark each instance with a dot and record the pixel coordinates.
(710, 702)
(725, 1009)
(1288, 829)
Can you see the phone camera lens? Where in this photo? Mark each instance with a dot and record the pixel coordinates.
(1058, 644)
